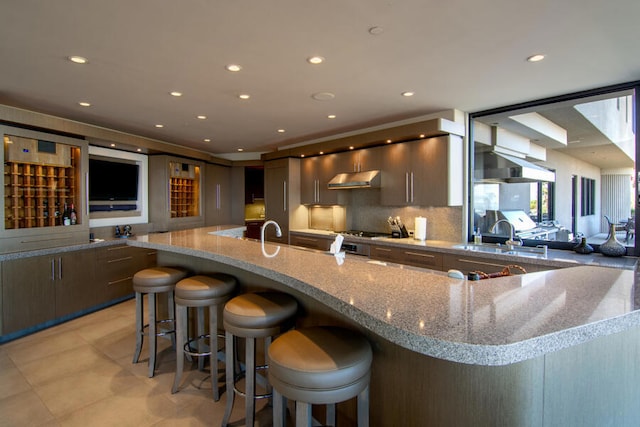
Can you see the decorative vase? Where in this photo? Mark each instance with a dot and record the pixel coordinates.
(612, 247)
(583, 247)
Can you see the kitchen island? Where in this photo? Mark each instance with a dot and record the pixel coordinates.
(557, 347)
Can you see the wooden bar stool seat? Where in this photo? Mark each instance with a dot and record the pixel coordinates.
(200, 292)
(152, 282)
(319, 365)
(251, 316)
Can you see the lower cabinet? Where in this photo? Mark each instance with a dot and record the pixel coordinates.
(467, 264)
(408, 256)
(116, 266)
(41, 289)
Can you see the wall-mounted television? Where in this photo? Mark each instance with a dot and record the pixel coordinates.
(112, 180)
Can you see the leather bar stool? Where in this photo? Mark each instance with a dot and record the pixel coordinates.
(319, 365)
(251, 316)
(200, 292)
(154, 281)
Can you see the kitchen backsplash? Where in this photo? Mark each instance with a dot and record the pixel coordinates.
(363, 212)
(254, 210)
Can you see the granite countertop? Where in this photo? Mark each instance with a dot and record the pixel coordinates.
(490, 322)
(554, 258)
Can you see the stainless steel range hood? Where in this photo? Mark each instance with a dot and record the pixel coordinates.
(346, 181)
(499, 167)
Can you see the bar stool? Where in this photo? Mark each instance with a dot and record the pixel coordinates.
(199, 292)
(319, 365)
(251, 316)
(154, 281)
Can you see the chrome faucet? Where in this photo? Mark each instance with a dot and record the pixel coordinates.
(511, 242)
(264, 226)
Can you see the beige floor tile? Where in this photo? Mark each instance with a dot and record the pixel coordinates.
(12, 381)
(24, 409)
(60, 365)
(95, 331)
(85, 387)
(42, 345)
(137, 407)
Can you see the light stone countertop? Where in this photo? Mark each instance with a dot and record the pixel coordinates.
(490, 322)
(554, 258)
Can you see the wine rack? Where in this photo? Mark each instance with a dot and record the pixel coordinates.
(35, 194)
(184, 193)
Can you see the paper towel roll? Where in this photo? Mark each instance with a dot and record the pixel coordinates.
(420, 229)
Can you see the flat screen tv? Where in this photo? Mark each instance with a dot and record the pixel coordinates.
(112, 181)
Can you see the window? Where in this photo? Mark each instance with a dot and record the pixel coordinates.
(587, 196)
(554, 168)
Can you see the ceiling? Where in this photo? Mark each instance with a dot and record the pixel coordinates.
(461, 54)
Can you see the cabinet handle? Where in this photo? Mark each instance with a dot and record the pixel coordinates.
(117, 248)
(471, 261)
(119, 280)
(169, 196)
(406, 187)
(59, 268)
(119, 259)
(382, 249)
(412, 186)
(218, 196)
(318, 191)
(284, 196)
(419, 254)
(53, 269)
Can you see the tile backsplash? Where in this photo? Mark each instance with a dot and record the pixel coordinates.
(364, 212)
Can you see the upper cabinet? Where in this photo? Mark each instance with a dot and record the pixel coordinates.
(45, 192)
(253, 184)
(175, 193)
(281, 197)
(360, 160)
(427, 172)
(315, 173)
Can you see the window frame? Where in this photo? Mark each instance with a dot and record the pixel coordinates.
(634, 85)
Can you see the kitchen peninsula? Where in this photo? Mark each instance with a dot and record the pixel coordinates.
(556, 347)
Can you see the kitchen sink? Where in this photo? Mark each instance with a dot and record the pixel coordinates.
(490, 248)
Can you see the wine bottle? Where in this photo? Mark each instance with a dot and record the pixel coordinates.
(66, 215)
(72, 215)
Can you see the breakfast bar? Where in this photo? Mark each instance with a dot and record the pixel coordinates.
(557, 347)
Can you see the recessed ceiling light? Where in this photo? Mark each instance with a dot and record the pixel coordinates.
(422, 135)
(408, 93)
(331, 116)
(535, 58)
(240, 149)
(159, 126)
(323, 96)
(234, 68)
(78, 59)
(315, 60)
(207, 140)
(139, 150)
(175, 93)
(301, 155)
(375, 31)
(322, 152)
(388, 141)
(84, 104)
(351, 147)
(112, 145)
(244, 96)
(201, 117)
(281, 131)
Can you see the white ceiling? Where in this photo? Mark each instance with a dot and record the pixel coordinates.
(462, 54)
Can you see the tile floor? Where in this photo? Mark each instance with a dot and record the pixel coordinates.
(80, 374)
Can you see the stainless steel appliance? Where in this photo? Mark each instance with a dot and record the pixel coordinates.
(355, 241)
(524, 226)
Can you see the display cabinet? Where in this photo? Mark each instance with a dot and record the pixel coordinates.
(44, 183)
(175, 193)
